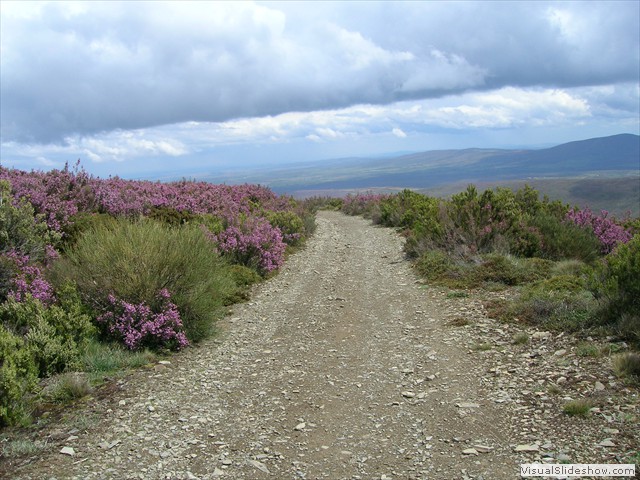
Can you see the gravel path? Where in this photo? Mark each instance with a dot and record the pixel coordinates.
(343, 366)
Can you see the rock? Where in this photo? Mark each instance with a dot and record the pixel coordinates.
(607, 443)
(469, 451)
(560, 353)
(483, 448)
(541, 335)
(611, 431)
(217, 472)
(430, 378)
(467, 405)
(408, 394)
(299, 427)
(164, 362)
(151, 408)
(259, 465)
(598, 387)
(527, 448)
(563, 457)
(561, 380)
(68, 451)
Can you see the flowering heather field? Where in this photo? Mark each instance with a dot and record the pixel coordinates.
(143, 264)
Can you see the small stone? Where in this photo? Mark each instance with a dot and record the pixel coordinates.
(430, 378)
(559, 353)
(259, 465)
(541, 335)
(611, 431)
(483, 448)
(598, 387)
(561, 380)
(607, 443)
(151, 408)
(470, 451)
(527, 448)
(563, 457)
(408, 394)
(164, 362)
(227, 462)
(217, 472)
(467, 405)
(68, 451)
(122, 403)
(299, 427)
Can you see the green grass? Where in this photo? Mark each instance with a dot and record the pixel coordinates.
(521, 338)
(578, 408)
(588, 349)
(627, 365)
(21, 447)
(104, 358)
(67, 387)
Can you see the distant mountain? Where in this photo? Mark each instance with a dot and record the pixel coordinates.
(596, 158)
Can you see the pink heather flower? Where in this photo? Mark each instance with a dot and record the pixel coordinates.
(138, 325)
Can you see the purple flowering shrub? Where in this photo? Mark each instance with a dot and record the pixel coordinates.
(139, 325)
(252, 242)
(27, 279)
(609, 233)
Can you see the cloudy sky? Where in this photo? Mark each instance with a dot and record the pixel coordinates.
(139, 89)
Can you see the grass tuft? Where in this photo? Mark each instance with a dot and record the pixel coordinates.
(578, 408)
(627, 365)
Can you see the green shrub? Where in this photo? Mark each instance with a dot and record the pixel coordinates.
(498, 268)
(83, 222)
(290, 224)
(21, 229)
(135, 260)
(170, 216)
(52, 334)
(559, 302)
(562, 240)
(18, 376)
(615, 282)
(433, 264)
(243, 277)
(212, 223)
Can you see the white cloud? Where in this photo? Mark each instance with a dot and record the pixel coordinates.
(399, 133)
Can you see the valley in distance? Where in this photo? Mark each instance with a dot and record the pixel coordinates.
(602, 173)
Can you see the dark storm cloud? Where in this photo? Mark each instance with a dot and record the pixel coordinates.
(82, 68)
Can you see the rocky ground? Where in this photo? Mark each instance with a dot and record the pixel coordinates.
(346, 366)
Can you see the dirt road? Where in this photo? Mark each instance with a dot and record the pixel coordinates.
(343, 366)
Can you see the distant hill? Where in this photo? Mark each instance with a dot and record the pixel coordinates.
(601, 159)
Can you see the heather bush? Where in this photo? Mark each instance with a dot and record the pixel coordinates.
(252, 242)
(18, 376)
(141, 325)
(608, 232)
(134, 261)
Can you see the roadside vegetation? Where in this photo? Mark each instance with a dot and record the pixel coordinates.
(98, 276)
(571, 269)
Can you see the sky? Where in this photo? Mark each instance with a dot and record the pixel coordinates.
(153, 89)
